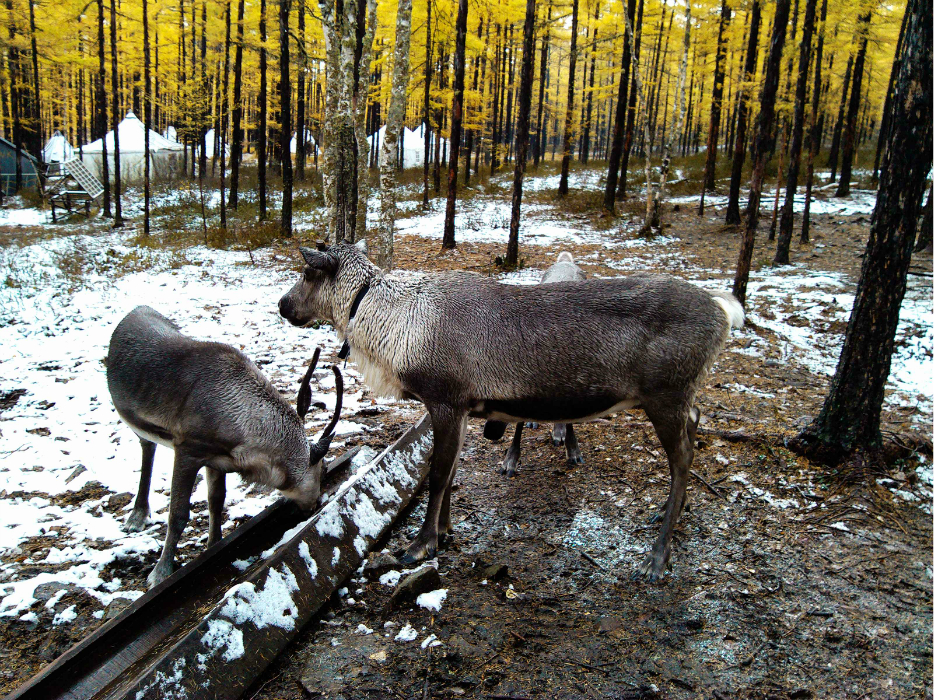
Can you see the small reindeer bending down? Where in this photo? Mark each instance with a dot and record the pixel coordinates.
(213, 406)
(564, 270)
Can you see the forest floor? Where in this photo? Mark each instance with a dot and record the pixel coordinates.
(786, 581)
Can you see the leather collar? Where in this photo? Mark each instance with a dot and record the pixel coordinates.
(345, 348)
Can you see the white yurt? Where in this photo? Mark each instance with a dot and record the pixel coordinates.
(170, 133)
(413, 145)
(57, 149)
(209, 140)
(166, 159)
(309, 142)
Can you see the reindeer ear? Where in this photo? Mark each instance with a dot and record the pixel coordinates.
(326, 262)
(361, 246)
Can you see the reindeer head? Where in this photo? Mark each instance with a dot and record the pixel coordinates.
(308, 486)
(330, 280)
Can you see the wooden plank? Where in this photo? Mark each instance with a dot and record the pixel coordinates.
(255, 621)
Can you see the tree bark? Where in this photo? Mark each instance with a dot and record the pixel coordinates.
(224, 112)
(285, 119)
(236, 150)
(850, 417)
(834, 154)
(848, 141)
(619, 125)
(631, 111)
(300, 100)
(762, 147)
(522, 142)
(539, 147)
(814, 127)
(118, 210)
(569, 124)
(37, 136)
(101, 131)
(261, 97)
(426, 113)
(585, 154)
(457, 113)
(394, 123)
(713, 134)
(147, 117)
(797, 137)
(739, 148)
(886, 109)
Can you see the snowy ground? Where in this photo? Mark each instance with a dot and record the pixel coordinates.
(63, 433)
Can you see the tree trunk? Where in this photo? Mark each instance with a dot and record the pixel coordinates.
(224, 111)
(569, 125)
(762, 147)
(236, 149)
(394, 123)
(539, 147)
(655, 218)
(147, 117)
(739, 148)
(797, 137)
(713, 134)
(457, 113)
(497, 89)
(926, 232)
(814, 126)
(619, 125)
(37, 136)
(838, 125)
(426, 113)
(522, 142)
(886, 109)
(631, 110)
(470, 132)
(101, 104)
(585, 153)
(850, 417)
(366, 30)
(118, 210)
(300, 101)
(205, 96)
(848, 142)
(285, 119)
(261, 97)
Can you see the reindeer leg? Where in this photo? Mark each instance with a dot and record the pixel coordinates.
(183, 482)
(559, 433)
(571, 446)
(511, 462)
(217, 492)
(137, 519)
(693, 421)
(672, 430)
(449, 425)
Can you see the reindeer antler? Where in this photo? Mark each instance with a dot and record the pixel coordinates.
(303, 403)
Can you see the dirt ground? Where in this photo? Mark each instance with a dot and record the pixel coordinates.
(786, 581)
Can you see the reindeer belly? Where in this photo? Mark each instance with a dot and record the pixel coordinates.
(552, 410)
(147, 430)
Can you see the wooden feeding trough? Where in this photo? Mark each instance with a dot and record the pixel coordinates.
(210, 629)
(70, 186)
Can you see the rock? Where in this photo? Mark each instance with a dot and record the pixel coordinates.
(378, 564)
(117, 606)
(78, 471)
(803, 421)
(45, 591)
(119, 501)
(379, 657)
(413, 585)
(495, 572)
(772, 363)
(43, 432)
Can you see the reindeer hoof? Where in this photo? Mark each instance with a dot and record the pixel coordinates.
(136, 522)
(160, 573)
(533, 426)
(575, 459)
(652, 568)
(510, 467)
(557, 442)
(419, 551)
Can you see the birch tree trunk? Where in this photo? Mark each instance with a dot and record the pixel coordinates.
(522, 144)
(394, 121)
(361, 95)
(457, 112)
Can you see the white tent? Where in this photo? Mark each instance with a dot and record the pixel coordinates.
(170, 133)
(309, 142)
(165, 157)
(413, 145)
(57, 149)
(209, 145)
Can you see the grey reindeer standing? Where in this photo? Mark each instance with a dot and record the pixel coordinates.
(215, 408)
(466, 345)
(564, 270)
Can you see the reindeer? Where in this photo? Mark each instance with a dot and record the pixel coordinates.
(466, 345)
(564, 270)
(213, 406)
